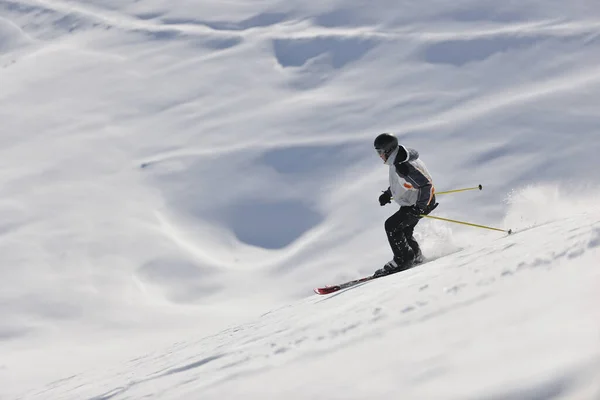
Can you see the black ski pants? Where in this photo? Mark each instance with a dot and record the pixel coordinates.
(399, 229)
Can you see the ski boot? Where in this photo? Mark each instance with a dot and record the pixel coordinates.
(392, 267)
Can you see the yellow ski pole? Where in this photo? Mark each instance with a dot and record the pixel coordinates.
(460, 190)
(468, 223)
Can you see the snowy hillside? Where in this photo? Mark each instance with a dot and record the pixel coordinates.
(512, 320)
(172, 170)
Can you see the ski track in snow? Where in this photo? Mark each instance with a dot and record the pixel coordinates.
(164, 163)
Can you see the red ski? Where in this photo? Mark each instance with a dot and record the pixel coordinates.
(335, 288)
(346, 285)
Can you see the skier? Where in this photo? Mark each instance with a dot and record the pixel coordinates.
(412, 188)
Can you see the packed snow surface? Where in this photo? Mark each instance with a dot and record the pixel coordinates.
(177, 176)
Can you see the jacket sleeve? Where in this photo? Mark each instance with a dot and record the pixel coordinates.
(418, 180)
(425, 196)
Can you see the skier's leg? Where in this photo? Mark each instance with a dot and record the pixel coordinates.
(395, 230)
(414, 245)
(409, 230)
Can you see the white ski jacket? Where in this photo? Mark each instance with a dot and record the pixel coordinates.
(410, 182)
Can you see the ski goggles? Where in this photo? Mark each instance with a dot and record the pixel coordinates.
(382, 153)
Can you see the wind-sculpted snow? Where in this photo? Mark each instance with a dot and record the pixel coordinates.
(256, 21)
(182, 281)
(12, 37)
(169, 170)
(455, 308)
(295, 53)
(460, 52)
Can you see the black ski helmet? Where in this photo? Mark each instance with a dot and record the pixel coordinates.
(385, 144)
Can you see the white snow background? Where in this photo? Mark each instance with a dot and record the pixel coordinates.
(176, 177)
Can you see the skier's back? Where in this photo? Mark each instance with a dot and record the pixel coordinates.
(412, 188)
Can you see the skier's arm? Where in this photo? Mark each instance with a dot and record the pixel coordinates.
(425, 196)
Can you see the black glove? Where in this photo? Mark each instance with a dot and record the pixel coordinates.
(385, 198)
(415, 212)
(432, 207)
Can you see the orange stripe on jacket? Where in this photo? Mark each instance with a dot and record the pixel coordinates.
(431, 195)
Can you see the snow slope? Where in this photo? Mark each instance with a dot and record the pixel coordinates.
(162, 163)
(512, 320)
